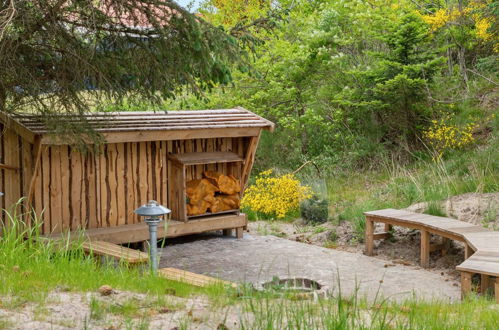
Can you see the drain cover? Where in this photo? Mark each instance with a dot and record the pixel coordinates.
(295, 284)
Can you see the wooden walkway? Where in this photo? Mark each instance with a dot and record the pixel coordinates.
(199, 280)
(481, 245)
(115, 251)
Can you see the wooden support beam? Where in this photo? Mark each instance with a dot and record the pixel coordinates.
(425, 249)
(37, 149)
(465, 284)
(496, 289)
(436, 247)
(9, 167)
(140, 232)
(446, 246)
(227, 232)
(468, 251)
(249, 160)
(388, 227)
(484, 283)
(381, 236)
(239, 232)
(369, 237)
(164, 135)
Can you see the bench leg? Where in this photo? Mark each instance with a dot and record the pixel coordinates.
(468, 251)
(369, 237)
(425, 249)
(484, 283)
(445, 246)
(239, 232)
(227, 232)
(496, 289)
(465, 284)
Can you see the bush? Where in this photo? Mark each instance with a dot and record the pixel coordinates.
(314, 210)
(275, 196)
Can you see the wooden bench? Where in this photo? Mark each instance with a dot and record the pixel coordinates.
(115, 251)
(481, 245)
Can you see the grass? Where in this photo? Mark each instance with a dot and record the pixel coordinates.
(353, 313)
(394, 186)
(30, 269)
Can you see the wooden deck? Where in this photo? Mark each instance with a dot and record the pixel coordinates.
(115, 251)
(140, 232)
(481, 245)
(199, 280)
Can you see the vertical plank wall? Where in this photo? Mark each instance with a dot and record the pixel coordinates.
(76, 190)
(16, 152)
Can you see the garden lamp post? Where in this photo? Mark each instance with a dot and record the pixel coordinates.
(152, 212)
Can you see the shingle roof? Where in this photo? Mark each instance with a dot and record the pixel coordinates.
(155, 121)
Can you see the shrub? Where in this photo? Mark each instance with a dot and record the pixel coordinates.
(443, 136)
(314, 210)
(275, 195)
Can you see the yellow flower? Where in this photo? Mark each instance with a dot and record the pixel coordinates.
(442, 136)
(275, 196)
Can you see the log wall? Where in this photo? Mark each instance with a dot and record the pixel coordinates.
(16, 169)
(75, 190)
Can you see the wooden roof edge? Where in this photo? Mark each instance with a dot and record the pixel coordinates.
(271, 126)
(17, 127)
(153, 112)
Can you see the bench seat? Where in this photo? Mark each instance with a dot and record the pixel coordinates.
(481, 245)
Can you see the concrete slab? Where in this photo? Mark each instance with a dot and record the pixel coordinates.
(258, 259)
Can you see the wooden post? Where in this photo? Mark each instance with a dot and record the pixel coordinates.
(248, 161)
(425, 249)
(388, 227)
(369, 237)
(468, 251)
(465, 284)
(227, 232)
(239, 232)
(496, 289)
(445, 246)
(484, 283)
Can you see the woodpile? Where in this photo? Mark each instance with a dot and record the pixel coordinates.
(215, 192)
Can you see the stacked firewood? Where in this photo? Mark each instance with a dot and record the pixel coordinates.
(215, 192)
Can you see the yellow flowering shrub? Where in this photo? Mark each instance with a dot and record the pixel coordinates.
(275, 195)
(443, 136)
(442, 17)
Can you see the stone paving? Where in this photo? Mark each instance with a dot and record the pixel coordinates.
(257, 259)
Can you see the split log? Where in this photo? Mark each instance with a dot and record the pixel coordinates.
(201, 207)
(201, 194)
(225, 203)
(228, 185)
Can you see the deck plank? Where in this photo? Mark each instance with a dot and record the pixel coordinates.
(485, 243)
(115, 251)
(140, 232)
(199, 280)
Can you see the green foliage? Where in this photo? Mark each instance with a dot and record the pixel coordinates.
(314, 210)
(31, 267)
(398, 186)
(72, 56)
(352, 82)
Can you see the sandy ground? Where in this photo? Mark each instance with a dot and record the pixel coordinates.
(69, 310)
(326, 253)
(257, 259)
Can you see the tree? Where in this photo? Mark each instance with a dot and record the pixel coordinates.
(65, 56)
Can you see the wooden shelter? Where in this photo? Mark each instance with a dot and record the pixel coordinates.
(146, 155)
